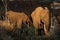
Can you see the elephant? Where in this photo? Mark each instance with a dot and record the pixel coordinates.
(17, 18)
(38, 15)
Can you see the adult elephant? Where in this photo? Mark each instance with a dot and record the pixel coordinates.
(38, 15)
(18, 18)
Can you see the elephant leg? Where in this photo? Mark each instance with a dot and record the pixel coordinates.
(36, 32)
(36, 29)
(19, 24)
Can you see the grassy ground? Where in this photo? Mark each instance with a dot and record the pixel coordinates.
(23, 34)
